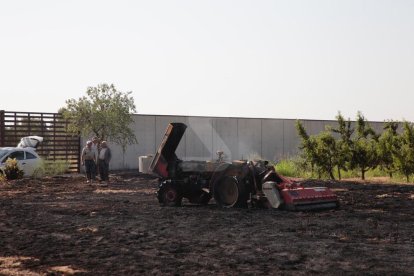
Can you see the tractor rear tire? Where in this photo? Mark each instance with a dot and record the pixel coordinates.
(229, 192)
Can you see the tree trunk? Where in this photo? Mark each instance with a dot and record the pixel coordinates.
(339, 173)
(331, 174)
(363, 174)
(408, 178)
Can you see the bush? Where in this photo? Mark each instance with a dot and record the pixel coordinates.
(293, 167)
(51, 168)
(2, 177)
(12, 170)
(286, 168)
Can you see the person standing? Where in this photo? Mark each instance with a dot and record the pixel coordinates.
(104, 159)
(88, 159)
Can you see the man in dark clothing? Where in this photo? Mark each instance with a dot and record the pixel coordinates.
(104, 159)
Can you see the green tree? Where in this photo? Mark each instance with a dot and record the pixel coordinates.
(344, 143)
(404, 151)
(105, 112)
(307, 146)
(364, 147)
(327, 152)
(387, 143)
(318, 150)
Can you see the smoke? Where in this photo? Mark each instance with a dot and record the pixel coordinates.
(205, 130)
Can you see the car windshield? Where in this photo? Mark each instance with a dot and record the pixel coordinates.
(3, 152)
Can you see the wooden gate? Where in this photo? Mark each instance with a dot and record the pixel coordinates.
(57, 143)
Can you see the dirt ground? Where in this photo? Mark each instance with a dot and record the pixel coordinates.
(62, 225)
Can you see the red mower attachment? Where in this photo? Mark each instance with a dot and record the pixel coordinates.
(294, 197)
(301, 199)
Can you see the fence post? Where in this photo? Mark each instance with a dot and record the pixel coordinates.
(79, 153)
(2, 128)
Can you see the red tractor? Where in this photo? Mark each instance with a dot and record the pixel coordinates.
(232, 184)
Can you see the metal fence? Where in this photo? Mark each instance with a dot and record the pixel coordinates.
(57, 143)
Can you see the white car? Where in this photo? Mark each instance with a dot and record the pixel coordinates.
(25, 153)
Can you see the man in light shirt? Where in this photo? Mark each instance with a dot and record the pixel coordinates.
(88, 159)
(103, 161)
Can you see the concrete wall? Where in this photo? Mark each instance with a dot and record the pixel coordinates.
(239, 138)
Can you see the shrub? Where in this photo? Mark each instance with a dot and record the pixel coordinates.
(12, 170)
(2, 177)
(286, 168)
(293, 167)
(51, 168)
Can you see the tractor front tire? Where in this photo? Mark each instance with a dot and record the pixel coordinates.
(169, 195)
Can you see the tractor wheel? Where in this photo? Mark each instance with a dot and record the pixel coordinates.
(229, 192)
(169, 195)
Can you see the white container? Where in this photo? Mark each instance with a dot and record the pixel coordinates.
(272, 194)
(144, 162)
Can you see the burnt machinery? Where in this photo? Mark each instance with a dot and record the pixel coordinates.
(231, 184)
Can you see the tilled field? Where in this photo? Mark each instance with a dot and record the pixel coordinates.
(64, 226)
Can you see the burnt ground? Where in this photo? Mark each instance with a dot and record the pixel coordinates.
(62, 225)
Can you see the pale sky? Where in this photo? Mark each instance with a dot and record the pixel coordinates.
(261, 59)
